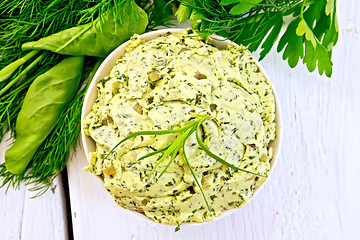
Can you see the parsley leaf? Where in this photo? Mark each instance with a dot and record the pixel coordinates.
(309, 37)
(316, 28)
(294, 49)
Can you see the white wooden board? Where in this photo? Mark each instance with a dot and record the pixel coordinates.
(313, 193)
(23, 217)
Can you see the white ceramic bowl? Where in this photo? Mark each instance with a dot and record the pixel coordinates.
(108, 64)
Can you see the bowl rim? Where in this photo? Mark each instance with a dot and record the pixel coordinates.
(104, 70)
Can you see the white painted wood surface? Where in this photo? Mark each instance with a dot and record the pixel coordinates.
(22, 217)
(312, 194)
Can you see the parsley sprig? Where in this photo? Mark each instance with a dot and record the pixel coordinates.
(173, 149)
(310, 36)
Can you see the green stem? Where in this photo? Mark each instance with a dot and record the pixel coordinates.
(217, 158)
(92, 73)
(173, 155)
(154, 153)
(194, 176)
(74, 38)
(161, 132)
(27, 69)
(183, 13)
(302, 9)
(7, 71)
(171, 149)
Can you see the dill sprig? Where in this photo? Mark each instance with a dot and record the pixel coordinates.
(29, 20)
(24, 21)
(160, 13)
(173, 149)
(53, 154)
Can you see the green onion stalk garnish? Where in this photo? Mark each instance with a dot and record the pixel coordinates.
(173, 149)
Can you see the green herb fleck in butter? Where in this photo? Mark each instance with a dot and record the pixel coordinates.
(162, 84)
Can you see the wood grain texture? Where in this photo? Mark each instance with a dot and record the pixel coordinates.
(313, 192)
(25, 218)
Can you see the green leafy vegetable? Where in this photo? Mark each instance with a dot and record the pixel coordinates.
(53, 153)
(21, 74)
(19, 28)
(24, 21)
(97, 38)
(308, 29)
(48, 95)
(256, 24)
(183, 13)
(11, 100)
(31, 20)
(7, 71)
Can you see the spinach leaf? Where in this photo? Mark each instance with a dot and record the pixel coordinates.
(99, 38)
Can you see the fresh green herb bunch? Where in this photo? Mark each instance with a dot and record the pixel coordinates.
(174, 148)
(160, 13)
(52, 155)
(22, 22)
(310, 36)
(28, 21)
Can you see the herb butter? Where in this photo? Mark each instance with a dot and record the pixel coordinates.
(162, 84)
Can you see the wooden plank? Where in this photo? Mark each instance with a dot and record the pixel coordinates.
(11, 208)
(313, 193)
(46, 217)
(25, 218)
